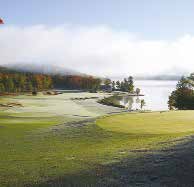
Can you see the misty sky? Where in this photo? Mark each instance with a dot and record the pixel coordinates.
(100, 37)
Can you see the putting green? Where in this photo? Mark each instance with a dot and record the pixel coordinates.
(150, 123)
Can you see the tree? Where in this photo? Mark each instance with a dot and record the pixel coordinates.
(22, 82)
(183, 83)
(10, 85)
(172, 100)
(126, 85)
(130, 82)
(113, 85)
(137, 91)
(107, 82)
(142, 103)
(118, 85)
(122, 86)
(2, 87)
(182, 97)
(29, 87)
(14, 81)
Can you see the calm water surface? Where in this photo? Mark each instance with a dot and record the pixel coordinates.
(156, 95)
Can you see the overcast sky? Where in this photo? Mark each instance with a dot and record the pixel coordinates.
(100, 37)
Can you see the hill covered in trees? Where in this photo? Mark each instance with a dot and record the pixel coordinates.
(50, 69)
(13, 81)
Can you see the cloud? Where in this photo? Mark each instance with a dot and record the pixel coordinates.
(96, 50)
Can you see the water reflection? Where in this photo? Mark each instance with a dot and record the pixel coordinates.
(156, 95)
(129, 102)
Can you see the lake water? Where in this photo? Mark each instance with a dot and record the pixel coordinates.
(156, 95)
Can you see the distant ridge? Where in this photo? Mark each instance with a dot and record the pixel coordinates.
(154, 77)
(41, 68)
(158, 77)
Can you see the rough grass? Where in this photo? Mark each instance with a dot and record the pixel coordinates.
(37, 146)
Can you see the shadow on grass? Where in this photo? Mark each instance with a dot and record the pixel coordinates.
(169, 167)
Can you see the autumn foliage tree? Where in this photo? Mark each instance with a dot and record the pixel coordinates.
(13, 82)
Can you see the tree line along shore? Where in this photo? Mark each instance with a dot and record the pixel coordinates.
(12, 81)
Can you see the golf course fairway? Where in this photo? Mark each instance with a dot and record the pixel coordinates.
(51, 145)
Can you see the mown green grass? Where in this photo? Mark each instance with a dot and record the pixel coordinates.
(176, 122)
(34, 149)
(148, 130)
(31, 152)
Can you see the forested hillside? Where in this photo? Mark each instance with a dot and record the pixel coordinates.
(14, 81)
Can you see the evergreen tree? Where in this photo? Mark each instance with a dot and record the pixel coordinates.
(183, 97)
(130, 82)
(113, 85)
(2, 87)
(10, 85)
(118, 85)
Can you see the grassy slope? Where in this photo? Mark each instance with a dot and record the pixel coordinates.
(32, 150)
